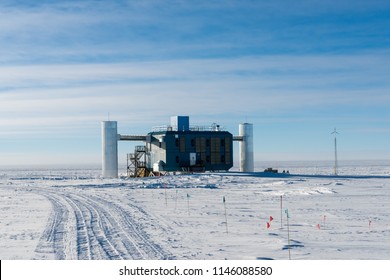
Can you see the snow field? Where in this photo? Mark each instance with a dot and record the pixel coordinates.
(23, 216)
(250, 202)
(79, 216)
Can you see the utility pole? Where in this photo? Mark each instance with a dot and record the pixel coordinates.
(335, 151)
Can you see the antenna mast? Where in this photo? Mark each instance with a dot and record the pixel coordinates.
(335, 150)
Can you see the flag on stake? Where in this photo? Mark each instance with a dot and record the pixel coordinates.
(271, 218)
(288, 234)
(188, 203)
(268, 225)
(324, 220)
(226, 222)
(281, 211)
(369, 224)
(318, 226)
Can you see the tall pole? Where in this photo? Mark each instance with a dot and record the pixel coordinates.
(335, 151)
(281, 211)
(288, 234)
(335, 155)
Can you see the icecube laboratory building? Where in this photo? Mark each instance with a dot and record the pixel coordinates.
(177, 147)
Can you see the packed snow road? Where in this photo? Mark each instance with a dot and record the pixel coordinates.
(90, 227)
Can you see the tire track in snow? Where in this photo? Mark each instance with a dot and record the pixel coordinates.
(83, 239)
(132, 230)
(99, 231)
(90, 227)
(51, 241)
(58, 238)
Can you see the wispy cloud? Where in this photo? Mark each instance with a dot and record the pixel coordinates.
(123, 30)
(64, 65)
(242, 86)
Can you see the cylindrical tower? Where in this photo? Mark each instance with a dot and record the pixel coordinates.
(109, 149)
(246, 147)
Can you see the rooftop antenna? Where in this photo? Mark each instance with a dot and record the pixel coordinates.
(335, 151)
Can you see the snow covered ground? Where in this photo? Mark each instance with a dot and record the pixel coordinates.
(73, 214)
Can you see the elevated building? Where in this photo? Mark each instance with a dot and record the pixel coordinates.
(178, 147)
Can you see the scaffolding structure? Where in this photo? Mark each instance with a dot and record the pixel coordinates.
(136, 163)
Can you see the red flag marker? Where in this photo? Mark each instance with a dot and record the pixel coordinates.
(268, 225)
(318, 226)
(271, 218)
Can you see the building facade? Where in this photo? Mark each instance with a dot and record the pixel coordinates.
(189, 149)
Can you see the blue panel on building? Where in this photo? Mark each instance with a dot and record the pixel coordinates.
(180, 123)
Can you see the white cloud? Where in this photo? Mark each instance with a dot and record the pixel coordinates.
(264, 81)
(66, 65)
(139, 95)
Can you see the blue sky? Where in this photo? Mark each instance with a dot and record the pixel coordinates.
(295, 69)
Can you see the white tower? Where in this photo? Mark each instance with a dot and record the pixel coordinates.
(246, 147)
(109, 149)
